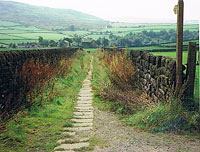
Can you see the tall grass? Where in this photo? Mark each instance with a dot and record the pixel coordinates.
(120, 70)
(38, 128)
(34, 78)
(38, 77)
(114, 80)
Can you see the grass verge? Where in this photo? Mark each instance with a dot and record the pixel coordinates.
(39, 128)
(156, 117)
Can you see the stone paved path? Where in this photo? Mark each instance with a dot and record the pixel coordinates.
(82, 121)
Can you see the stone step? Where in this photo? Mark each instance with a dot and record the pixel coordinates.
(84, 108)
(84, 102)
(84, 117)
(86, 90)
(83, 113)
(83, 120)
(69, 133)
(78, 128)
(84, 105)
(84, 98)
(85, 94)
(72, 146)
(83, 124)
(86, 87)
(66, 139)
(87, 83)
(66, 151)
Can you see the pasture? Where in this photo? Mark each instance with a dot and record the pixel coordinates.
(15, 33)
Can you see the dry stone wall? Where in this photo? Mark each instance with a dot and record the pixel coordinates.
(12, 62)
(156, 74)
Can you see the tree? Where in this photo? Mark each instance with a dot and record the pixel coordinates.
(52, 43)
(105, 42)
(69, 40)
(72, 28)
(77, 39)
(40, 39)
(98, 42)
(60, 43)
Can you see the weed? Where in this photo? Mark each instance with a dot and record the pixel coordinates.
(68, 124)
(60, 149)
(70, 141)
(83, 149)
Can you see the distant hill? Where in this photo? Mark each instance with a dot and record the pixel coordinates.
(47, 18)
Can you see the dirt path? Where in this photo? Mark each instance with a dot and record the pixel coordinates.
(121, 138)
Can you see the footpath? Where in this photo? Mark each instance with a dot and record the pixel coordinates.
(83, 115)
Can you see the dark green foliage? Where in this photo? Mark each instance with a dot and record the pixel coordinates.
(150, 38)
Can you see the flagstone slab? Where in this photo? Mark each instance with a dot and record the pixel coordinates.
(85, 94)
(66, 151)
(84, 102)
(84, 105)
(84, 108)
(84, 117)
(73, 146)
(83, 113)
(66, 139)
(83, 120)
(69, 133)
(78, 128)
(89, 89)
(83, 124)
(84, 98)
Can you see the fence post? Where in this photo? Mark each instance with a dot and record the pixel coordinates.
(191, 68)
(179, 47)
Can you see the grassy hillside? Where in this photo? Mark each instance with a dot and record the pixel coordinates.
(46, 18)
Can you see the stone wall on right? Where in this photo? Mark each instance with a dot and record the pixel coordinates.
(156, 74)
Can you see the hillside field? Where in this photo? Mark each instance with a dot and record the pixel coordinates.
(11, 32)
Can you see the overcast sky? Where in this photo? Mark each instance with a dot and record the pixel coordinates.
(124, 9)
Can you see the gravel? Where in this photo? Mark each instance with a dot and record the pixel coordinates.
(120, 138)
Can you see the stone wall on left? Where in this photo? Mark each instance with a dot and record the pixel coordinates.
(11, 62)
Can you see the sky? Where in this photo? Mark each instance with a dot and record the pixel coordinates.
(125, 10)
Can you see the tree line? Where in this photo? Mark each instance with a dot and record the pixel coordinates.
(144, 38)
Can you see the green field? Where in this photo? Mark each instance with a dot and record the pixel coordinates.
(149, 48)
(15, 33)
(5, 23)
(184, 43)
(148, 27)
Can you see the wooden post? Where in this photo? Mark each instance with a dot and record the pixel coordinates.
(191, 68)
(179, 46)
